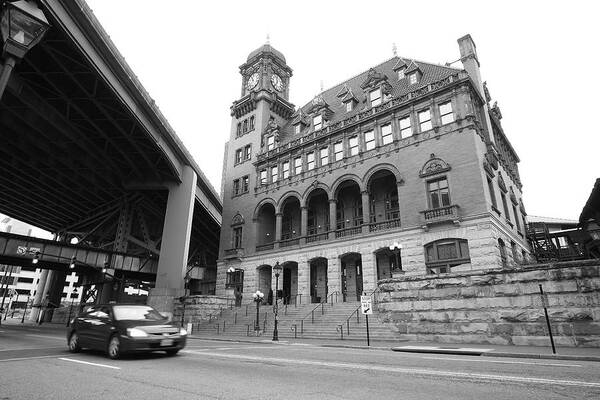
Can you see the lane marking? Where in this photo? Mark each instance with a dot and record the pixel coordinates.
(32, 348)
(504, 362)
(409, 371)
(47, 337)
(231, 348)
(89, 363)
(27, 358)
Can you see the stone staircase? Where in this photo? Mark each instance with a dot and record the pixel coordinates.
(321, 321)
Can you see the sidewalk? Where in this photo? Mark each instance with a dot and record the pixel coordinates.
(483, 350)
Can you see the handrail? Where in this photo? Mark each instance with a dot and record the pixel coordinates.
(321, 304)
(347, 320)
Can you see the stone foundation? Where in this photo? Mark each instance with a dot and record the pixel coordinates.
(497, 306)
(200, 308)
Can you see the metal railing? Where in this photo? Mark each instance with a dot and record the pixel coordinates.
(384, 225)
(357, 311)
(357, 230)
(311, 313)
(266, 246)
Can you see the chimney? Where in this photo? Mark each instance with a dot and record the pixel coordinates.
(470, 62)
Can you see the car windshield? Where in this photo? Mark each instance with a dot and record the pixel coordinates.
(137, 313)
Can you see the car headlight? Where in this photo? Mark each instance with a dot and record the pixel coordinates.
(182, 332)
(136, 332)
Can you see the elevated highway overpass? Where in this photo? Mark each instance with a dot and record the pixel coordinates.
(85, 153)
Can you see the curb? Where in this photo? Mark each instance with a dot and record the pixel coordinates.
(543, 356)
(442, 350)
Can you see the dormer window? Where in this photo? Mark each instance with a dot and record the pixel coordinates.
(270, 142)
(297, 128)
(401, 74)
(412, 78)
(317, 122)
(348, 105)
(375, 97)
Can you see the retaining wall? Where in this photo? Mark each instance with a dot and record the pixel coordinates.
(497, 306)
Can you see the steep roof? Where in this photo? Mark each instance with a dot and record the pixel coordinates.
(430, 73)
(266, 48)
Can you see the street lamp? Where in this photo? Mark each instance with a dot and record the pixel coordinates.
(22, 26)
(257, 297)
(277, 268)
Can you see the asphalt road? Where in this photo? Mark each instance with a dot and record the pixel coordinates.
(34, 364)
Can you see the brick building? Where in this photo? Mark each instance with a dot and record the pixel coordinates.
(402, 169)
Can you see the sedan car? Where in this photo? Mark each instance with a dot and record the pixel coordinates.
(124, 328)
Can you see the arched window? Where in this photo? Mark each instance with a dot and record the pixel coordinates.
(391, 205)
(502, 253)
(236, 231)
(245, 128)
(239, 129)
(252, 123)
(442, 255)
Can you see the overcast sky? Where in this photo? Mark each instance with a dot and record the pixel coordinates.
(540, 60)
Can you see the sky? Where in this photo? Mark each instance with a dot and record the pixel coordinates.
(538, 58)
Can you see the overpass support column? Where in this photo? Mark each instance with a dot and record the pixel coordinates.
(39, 296)
(175, 244)
(52, 293)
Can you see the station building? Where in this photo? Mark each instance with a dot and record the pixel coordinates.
(402, 169)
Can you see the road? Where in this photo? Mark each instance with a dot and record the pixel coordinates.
(34, 364)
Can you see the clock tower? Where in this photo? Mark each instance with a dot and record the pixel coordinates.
(259, 118)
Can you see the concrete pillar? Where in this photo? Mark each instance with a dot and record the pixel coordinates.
(39, 296)
(53, 289)
(105, 289)
(334, 280)
(332, 218)
(278, 222)
(366, 211)
(175, 243)
(303, 223)
(369, 270)
(304, 280)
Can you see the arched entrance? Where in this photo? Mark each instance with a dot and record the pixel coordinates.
(264, 280)
(352, 277)
(290, 224)
(265, 226)
(318, 280)
(289, 282)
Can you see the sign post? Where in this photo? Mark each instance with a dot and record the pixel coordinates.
(366, 309)
(545, 305)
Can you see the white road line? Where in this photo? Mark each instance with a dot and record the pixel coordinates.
(32, 348)
(89, 363)
(503, 362)
(47, 337)
(27, 358)
(232, 348)
(409, 371)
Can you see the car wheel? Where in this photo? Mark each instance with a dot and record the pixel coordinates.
(172, 352)
(74, 346)
(114, 347)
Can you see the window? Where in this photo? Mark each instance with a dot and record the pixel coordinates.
(505, 206)
(297, 128)
(238, 156)
(245, 126)
(270, 142)
(348, 105)
(235, 278)
(297, 165)
(310, 161)
(252, 123)
(516, 218)
(237, 237)
(236, 187)
(438, 193)
(386, 134)
(369, 140)
(391, 205)
(405, 127)
(338, 151)
(375, 97)
(247, 152)
(425, 120)
(357, 211)
(412, 78)
(502, 247)
(263, 177)
(274, 174)
(317, 122)
(492, 193)
(239, 129)
(401, 74)
(245, 183)
(324, 155)
(285, 169)
(353, 145)
(442, 255)
(515, 252)
(446, 113)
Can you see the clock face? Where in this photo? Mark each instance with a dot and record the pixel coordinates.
(252, 81)
(277, 82)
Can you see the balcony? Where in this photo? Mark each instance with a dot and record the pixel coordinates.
(384, 225)
(440, 215)
(357, 230)
(266, 246)
(289, 242)
(234, 253)
(316, 238)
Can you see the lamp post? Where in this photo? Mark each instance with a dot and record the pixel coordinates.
(22, 26)
(277, 268)
(71, 308)
(257, 297)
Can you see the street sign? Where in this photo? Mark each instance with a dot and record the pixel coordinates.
(365, 305)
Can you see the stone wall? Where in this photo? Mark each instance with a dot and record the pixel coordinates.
(497, 306)
(200, 308)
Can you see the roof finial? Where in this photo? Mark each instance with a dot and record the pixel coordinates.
(268, 39)
(394, 49)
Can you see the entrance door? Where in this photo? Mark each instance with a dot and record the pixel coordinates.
(287, 285)
(359, 280)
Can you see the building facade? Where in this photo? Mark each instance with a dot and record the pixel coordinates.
(402, 169)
